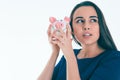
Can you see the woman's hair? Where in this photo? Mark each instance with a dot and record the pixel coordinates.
(105, 40)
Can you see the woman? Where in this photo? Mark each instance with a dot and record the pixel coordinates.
(97, 60)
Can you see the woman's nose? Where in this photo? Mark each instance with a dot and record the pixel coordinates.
(86, 26)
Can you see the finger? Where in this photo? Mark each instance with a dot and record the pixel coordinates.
(53, 35)
(61, 31)
(57, 42)
(68, 31)
(49, 30)
(58, 37)
(53, 41)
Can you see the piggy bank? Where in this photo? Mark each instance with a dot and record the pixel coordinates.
(56, 24)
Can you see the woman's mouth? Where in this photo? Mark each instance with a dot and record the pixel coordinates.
(87, 34)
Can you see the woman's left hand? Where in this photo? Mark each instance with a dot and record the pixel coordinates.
(64, 41)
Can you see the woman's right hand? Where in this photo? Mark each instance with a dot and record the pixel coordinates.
(55, 47)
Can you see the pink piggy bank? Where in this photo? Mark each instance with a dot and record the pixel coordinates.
(56, 24)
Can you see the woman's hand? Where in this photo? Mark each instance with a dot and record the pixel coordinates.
(55, 47)
(64, 41)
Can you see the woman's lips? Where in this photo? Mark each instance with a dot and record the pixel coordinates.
(87, 34)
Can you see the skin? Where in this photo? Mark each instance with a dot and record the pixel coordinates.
(85, 22)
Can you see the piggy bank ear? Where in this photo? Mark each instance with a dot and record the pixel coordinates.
(52, 19)
(67, 19)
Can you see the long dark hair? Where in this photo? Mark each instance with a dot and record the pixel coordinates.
(105, 40)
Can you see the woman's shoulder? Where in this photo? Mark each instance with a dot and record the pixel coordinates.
(111, 56)
(112, 53)
(109, 66)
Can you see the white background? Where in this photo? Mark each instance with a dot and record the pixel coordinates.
(24, 48)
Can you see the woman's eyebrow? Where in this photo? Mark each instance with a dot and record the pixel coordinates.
(93, 17)
(78, 17)
(89, 17)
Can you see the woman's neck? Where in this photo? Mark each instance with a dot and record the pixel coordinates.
(90, 51)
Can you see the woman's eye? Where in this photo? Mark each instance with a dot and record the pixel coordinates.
(93, 20)
(80, 21)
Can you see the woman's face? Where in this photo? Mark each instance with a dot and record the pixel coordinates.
(85, 25)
